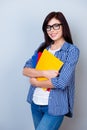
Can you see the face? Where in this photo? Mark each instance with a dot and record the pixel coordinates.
(54, 29)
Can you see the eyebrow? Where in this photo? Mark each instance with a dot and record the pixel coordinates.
(54, 24)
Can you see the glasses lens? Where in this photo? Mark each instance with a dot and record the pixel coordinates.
(56, 26)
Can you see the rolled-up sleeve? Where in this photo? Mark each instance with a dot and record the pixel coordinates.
(68, 69)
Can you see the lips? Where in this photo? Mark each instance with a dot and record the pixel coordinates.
(53, 35)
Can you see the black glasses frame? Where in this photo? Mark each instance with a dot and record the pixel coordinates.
(55, 26)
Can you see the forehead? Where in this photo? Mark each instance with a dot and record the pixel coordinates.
(53, 21)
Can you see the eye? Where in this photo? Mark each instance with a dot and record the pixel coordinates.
(56, 26)
(48, 27)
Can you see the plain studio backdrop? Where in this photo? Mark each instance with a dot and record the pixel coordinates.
(20, 34)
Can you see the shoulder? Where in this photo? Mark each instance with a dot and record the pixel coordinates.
(72, 48)
(73, 53)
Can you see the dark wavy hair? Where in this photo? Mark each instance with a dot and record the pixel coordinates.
(66, 31)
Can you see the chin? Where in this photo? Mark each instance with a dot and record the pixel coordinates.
(54, 39)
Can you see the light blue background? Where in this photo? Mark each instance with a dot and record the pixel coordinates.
(20, 33)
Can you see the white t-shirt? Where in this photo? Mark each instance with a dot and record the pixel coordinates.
(40, 96)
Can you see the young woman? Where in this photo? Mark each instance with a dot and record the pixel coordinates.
(51, 105)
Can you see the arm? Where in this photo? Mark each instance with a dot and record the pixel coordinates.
(40, 84)
(68, 70)
(64, 79)
(31, 72)
(29, 67)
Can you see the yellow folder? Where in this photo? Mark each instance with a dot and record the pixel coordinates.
(48, 61)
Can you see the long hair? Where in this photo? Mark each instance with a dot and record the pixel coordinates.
(66, 31)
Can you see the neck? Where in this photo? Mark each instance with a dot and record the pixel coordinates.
(57, 44)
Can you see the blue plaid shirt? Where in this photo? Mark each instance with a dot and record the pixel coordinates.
(61, 98)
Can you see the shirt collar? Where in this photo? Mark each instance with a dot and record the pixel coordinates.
(64, 47)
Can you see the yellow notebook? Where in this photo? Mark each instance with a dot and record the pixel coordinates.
(48, 61)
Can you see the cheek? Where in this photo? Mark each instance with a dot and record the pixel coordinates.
(60, 34)
(49, 35)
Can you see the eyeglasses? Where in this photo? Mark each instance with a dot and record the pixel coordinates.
(55, 26)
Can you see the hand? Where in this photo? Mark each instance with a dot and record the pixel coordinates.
(50, 73)
(33, 81)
